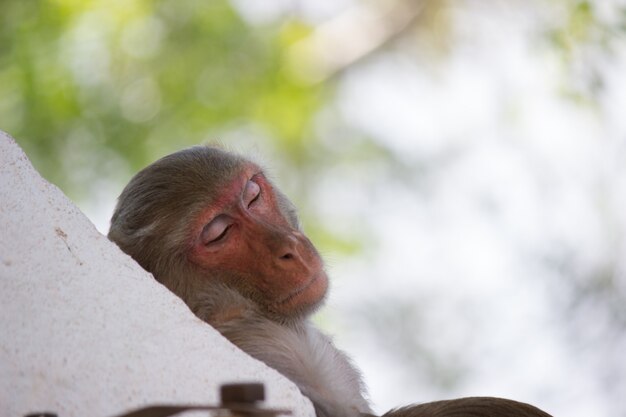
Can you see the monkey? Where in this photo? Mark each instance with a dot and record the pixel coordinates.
(214, 229)
(211, 227)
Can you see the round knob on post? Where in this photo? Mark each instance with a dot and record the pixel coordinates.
(242, 393)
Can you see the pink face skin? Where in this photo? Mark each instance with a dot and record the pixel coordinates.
(245, 235)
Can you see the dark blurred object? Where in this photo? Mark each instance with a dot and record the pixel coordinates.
(41, 415)
(238, 399)
(242, 393)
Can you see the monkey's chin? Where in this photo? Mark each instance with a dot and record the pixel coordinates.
(307, 298)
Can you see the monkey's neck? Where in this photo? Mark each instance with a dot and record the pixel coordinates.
(307, 357)
(296, 349)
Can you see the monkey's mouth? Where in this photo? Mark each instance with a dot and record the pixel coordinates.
(290, 297)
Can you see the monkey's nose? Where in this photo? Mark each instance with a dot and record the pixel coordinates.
(287, 256)
(289, 251)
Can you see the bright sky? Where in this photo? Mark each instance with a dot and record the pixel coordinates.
(516, 172)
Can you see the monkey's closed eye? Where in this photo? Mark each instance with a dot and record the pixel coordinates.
(251, 193)
(216, 230)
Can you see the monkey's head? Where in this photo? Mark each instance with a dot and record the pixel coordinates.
(207, 221)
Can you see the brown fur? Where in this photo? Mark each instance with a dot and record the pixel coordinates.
(469, 407)
(150, 223)
(154, 222)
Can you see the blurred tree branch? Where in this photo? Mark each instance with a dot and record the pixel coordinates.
(353, 36)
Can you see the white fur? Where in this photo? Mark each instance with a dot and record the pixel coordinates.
(296, 349)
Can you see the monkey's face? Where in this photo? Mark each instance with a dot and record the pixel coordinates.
(243, 239)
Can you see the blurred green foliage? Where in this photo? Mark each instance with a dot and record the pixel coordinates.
(585, 39)
(95, 90)
(131, 80)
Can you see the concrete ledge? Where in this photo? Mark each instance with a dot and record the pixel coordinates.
(84, 331)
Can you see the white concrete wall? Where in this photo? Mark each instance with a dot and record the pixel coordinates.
(84, 331)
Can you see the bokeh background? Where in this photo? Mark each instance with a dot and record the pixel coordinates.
(460, 164)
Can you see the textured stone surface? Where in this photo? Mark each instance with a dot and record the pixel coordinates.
(84, 331)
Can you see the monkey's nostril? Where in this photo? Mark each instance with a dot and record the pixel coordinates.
(287, 256)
